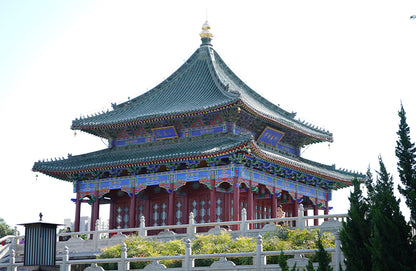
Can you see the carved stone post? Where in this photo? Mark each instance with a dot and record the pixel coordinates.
(300, 221)
(123, 265)
(191, 230)
(337, 251)
(96, 235)
(259, 260)
(188, 263)
(65, 266)
(12, 266)
(244, 224)
(142, 231)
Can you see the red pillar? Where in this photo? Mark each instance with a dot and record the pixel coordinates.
(315, 212)
(326, 211)
(171, 205)
(274, 203)
(132, 209)
(95, 211)
(236, 200)
(250, 203)
(227, 207)
(77, 212)
(213, 200)
(295, 209)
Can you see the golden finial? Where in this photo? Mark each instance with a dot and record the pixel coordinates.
(205, 31)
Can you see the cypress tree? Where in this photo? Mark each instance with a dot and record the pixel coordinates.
(389, 246)
(283, 262)
(309, 267)
(370, 187)
(355, 232)
(406, 166)
(324, 259)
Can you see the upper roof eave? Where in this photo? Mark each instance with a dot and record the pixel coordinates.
(216, 79)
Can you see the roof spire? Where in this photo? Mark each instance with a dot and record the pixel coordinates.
(205, 35)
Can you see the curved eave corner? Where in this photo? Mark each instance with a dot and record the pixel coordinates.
(342, 179)
(65, 174)
(319, 136)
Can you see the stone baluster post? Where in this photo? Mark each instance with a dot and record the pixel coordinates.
(259, 260)
(191, 230)
(188, 263)
(12, 266)
(142, 231)
(244, 225)
(14, 240)
(65, 258)
(300, 224)
(337, 259)
(96, 235)
(123, 265)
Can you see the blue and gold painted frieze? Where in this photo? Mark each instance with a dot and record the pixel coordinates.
(176, 179)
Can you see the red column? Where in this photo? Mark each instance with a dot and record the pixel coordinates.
(213, 200)
(250, 203)
(111, 218)
(171, 205)
(295, 209)
(315, 212)
(326, 211)
(77, 212)
(274, 203)
(95, 211)
(227, 207)
(132, 210)
(236, 200)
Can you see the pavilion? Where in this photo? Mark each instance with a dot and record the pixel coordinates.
(201, 141)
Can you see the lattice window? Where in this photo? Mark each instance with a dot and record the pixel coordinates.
(155, 214)
(194, 209)
(209, 211)
(219, 209)
(178, 213)
(164, 214)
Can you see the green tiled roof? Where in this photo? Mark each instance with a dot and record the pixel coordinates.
(201, 147)
(204, 146)
(204, 82)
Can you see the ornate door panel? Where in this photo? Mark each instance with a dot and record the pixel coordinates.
(158, 212)
(120, 211)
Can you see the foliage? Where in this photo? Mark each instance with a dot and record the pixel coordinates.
(406, 166)
(223, 243)
(355, 232)
(389, 228)
(323, 257)
(5, 229)
(309, 267)
(281, 239)
(140, 247)
(283, 262)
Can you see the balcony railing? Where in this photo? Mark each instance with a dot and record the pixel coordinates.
(99, 239)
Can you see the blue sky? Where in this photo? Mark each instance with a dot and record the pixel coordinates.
(344, 66)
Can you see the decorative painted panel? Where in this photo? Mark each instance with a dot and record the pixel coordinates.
(164, 133)
(270, 136)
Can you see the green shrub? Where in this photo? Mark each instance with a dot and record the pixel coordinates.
(279, 240)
